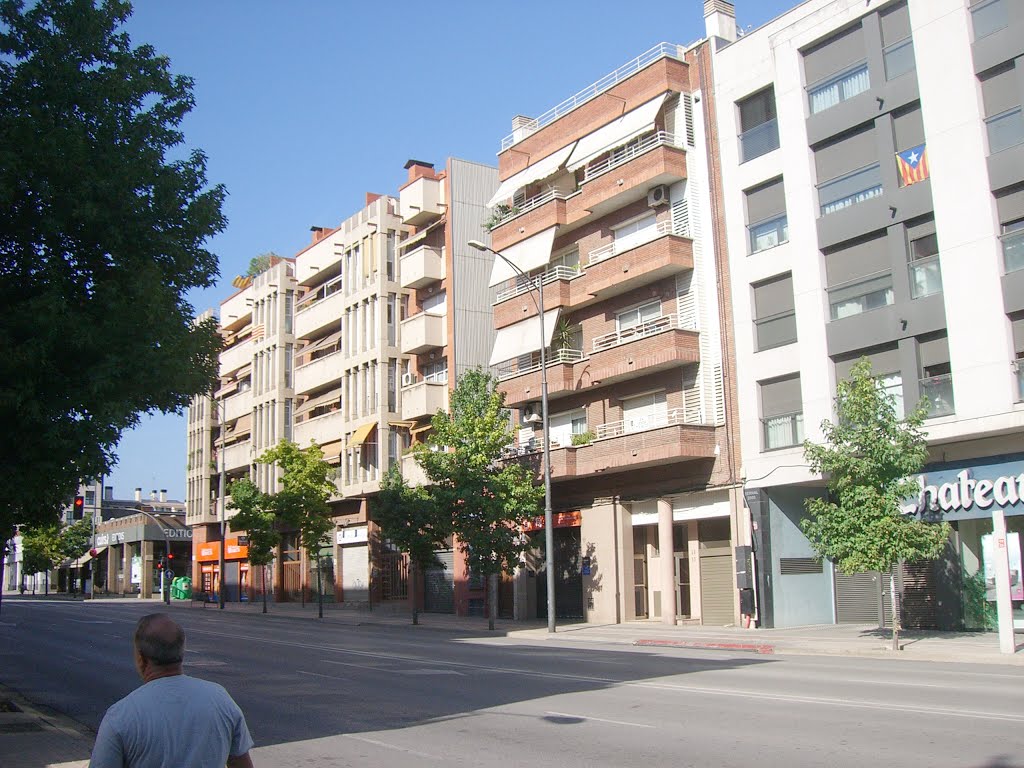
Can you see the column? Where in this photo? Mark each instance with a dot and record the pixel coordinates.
(693, 552)
(666, 562)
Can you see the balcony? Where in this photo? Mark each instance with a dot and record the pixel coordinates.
(421, 201)
(421, 267)
(318, 373)
(237, 405)
(324, 429)
(783, 431)
(619, 180)
(234, 358)
(237, 456)
(423, 332)
(861, 295)
(533, 214)
(520, 379)
(663, 251)
(320, 313)
(853, 188)
(656, 345)
(759, 140)
(938, 394)
(424, 398)
(412, 472)
(925, 277)
(660, 438)
(1013, 251)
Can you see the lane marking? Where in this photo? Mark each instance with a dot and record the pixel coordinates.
(372, 668)
(91, 621)
(318, 674)
(600, 720)
(384, 744)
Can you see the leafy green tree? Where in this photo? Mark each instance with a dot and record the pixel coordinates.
(307, 483)
(489, 500)
(413, 522)
(260, 264)
(41, 550)
(103, 223)
(257, 518)
(868, 459)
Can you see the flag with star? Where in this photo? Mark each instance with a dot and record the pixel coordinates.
(913, 165)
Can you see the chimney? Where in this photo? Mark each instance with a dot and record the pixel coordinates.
(138, 494)
(522, 126)
(108, 491)
(163, 494)
(720, 19)
(152, 495)
(418, 169)
(371, 198)
(318, 233)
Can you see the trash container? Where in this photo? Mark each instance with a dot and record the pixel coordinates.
(181, 588)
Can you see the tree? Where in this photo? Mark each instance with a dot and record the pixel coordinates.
(41, 550)
(260, 264)
(409, 518)
(257, 518)
(307, 482)
(488, 500)
(103, 221)
(868, 458)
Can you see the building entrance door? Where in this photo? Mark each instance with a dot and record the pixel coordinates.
(682, 585)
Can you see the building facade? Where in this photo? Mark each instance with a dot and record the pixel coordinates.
(873, 167)
(612, 200)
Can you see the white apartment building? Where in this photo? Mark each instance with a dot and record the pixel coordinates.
(873, 165)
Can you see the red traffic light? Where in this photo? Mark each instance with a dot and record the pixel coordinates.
(170, 556)
(93, 552)
(78, 507)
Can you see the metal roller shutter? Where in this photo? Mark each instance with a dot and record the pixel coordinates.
(859, 598)
(919, 608)
(716, 592)
(439, 585)
(355, 574)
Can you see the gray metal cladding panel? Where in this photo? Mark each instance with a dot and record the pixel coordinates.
(908, 127)
(864, 257)
(1004, 45)
(895, 23)
(882, 97)
(1006, 168)
(858, 597)
(1000, 90)
(853, 151)
(1010, 205)
(832, 56)
(875, 328)
(933, 351)
(781, 396)
(882, 361)
(766, 201)
(1013, 292)
(773, 296)
(716, 590)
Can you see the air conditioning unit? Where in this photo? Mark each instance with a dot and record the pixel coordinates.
(657, 196)
(408, 379)
(531, 413)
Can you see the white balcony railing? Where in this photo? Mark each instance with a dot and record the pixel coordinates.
(670, 418)
(631, 151)
(525, 364)
(236, 405)
(528, 205)
(234, 358)
(237, 455)
(627, 70)
(324, 429)
(640, 331)
(521, 285)
(662, 228)
(319, 314)
(315, 374)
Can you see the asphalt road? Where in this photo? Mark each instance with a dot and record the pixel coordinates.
(321, 694)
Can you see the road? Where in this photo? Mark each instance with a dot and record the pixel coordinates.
(325, 694)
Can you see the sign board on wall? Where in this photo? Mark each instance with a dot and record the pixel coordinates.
(1012, 544)
(356, 534)
(966, 493)
(136, 569)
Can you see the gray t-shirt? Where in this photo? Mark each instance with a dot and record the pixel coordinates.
(172, 722)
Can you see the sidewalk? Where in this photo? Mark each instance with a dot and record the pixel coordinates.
(34, 737)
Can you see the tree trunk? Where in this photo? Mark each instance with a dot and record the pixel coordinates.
(46, 584)
(895, 611)
(319, 590)
(264, 569)
(492, 600)
(413, 568)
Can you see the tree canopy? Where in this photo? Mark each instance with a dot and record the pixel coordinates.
(260, 264)
(104, 217)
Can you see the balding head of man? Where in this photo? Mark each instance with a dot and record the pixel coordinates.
(159, 645)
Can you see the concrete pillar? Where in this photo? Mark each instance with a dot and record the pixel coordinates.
(627, 596)
(113, 555)
(693, 552)
(1004, 606)
(146, 585)
(666, 562)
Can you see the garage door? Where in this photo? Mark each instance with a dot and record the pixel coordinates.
(716, 590)
(439, 585)
(859, 598)
(355, 574)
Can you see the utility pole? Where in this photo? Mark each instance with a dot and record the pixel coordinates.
(221, 504)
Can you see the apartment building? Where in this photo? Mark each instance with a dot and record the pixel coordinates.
(446, 329)
(873, 165)
(611, 200)
(249, 413)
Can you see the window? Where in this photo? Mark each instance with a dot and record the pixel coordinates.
(644, 412)
(436, 371)
(1010, 207)
(766, 214)
(1002, 99)
(392, 318)
(859, 277)
(936, 382)
(634, 233)
(834, 69)
(759, 128)
(562, 426)
(898, 52)
(885, 366)
(288, 418)
(390, 255)
(289, 363)
(923, 257)
(908, 128)
(435, 305)
(1017, 330)
(849, 171)
(569, 258)
(392, 384)
(90, 498)
(782, 417)
(988, 17)
(638, 315)
(775, 319)
(289, 310)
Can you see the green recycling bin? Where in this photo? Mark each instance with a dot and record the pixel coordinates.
(181, 588)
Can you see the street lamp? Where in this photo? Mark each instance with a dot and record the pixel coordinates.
(165, 595)
(221, 504)
(549, 534)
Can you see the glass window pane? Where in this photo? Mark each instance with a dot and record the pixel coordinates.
(899, 59)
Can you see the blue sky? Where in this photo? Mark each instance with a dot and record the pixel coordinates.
(303, 107)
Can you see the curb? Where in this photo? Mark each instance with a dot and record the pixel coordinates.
(761, 648)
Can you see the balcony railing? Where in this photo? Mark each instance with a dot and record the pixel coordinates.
(768, 234)
(989, 17)
(528, 205)
(783, 431)
(315, 297)
(938, 393)
(520, 285)
(775, 330)
(525, 364)
(662, 228)
(850, 189)
(759, 140)
(925, 277)
(639, 331)
(839, 88)
(1005, 130)
(632, 150)
(860, 295)
(1013, 251)
(660, 51)
(899, 59)
(1018, 375)
(669, 418)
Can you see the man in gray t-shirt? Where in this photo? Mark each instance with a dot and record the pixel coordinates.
(172, 720)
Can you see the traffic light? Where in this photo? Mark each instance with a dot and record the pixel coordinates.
(161, 563)
(78, 508)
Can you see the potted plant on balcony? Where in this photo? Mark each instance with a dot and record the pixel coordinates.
(583, 438)
(500, 212)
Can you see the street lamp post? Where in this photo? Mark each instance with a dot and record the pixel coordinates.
(221, 505)
(165, 594)
(549, 533)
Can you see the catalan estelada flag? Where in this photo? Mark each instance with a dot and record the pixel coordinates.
(913, 165)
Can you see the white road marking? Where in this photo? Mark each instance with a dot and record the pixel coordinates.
(371, 668)
(317, 674)
(90, 621)
(384, 744)
(600, 719)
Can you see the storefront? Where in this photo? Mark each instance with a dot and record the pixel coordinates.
(131, 549)
(238, 586)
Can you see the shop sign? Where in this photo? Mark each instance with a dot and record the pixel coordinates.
(558, 520)
(970, 493)
(358, 534)
(136, 569)
(177, 533)
(108, 539)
